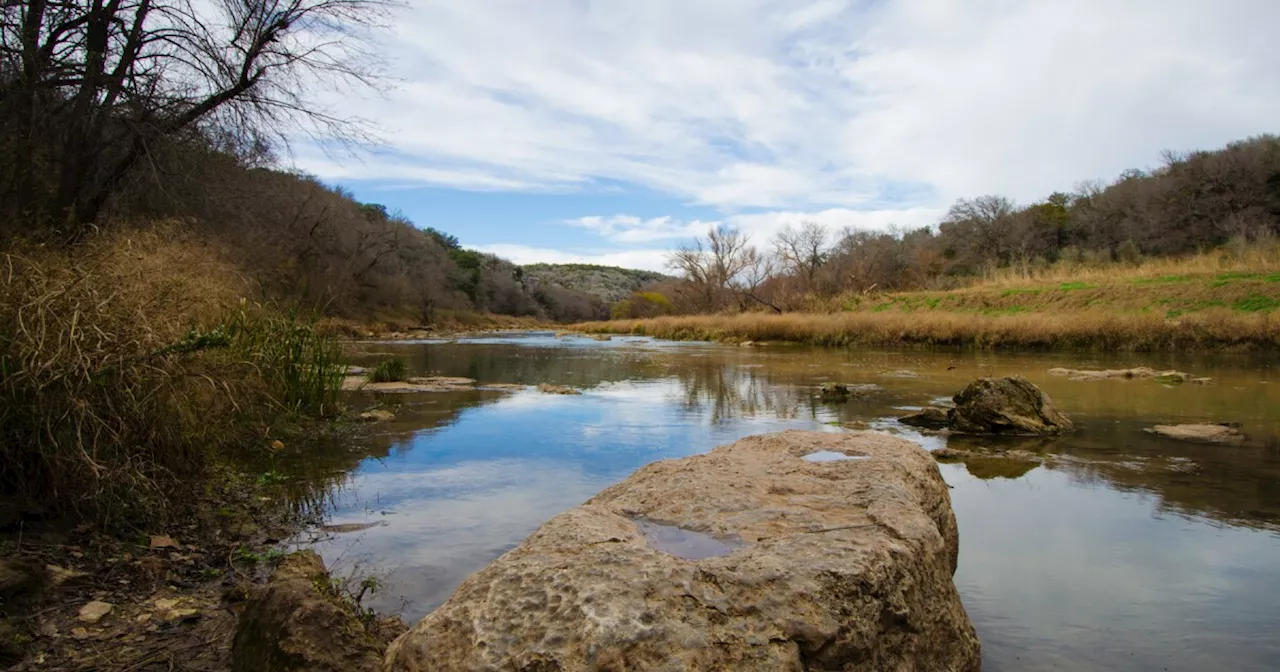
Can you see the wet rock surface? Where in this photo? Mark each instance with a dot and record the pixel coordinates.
(1011, 405)
(548, 388)
(845, 564)
(1201, 433)
(376, 415)
(836, 392)
(930, 417)
(1136, 373)
(417, 384)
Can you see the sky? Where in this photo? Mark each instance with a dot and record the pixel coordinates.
(611, 131)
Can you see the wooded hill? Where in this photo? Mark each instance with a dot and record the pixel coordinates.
(610, 284)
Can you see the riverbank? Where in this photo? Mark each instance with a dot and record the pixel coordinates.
(146, 409)
(1145, 312)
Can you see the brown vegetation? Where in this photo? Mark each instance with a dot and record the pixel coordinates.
(129, 362)
(1220, 299)
(1226, 200)
(1098, 330)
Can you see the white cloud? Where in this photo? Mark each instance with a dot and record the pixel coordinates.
(825, 106)
(630, 229)
(645, 259)
(759, 227)
(741, 103)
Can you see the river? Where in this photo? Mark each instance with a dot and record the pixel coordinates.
(1121, 551)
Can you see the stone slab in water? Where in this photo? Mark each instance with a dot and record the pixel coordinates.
(843, 565)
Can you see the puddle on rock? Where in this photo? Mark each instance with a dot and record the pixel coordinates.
(832, 456)
(683, 543)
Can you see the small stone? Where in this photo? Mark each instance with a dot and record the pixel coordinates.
(167, 604)
(61, 575)
(377, 415)
(548, 388)
(79, 633)
(930, 417)
(835, 392)
(163, 541)
(1202, 433)
(95, 611)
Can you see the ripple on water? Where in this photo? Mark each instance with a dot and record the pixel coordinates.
(687, 544)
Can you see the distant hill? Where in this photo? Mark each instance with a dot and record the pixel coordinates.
(610, 283)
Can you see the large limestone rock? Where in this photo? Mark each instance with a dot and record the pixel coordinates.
(1006, 406)
(775, 553)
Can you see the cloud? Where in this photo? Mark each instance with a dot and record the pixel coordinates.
(631, 229)
(645, 259)
(760, 227)
(746, 104)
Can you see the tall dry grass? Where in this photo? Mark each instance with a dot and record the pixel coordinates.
(1084, 330)
(1260, 254)
(128, 362)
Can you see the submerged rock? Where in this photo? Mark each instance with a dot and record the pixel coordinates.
(293, 623)
(1139, 372)
(839, 565)
(1206, 433)
(376, 415)
(1009, 405)
(548, 388)
(834, 392)
(930, 417)
(417, 384)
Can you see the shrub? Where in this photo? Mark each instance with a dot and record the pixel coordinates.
(123, 373)
(642, 304)
(389, 371)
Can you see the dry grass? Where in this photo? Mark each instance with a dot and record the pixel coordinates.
(1098, 330)
(126, 363)
(445, 321)
(1225, 299)
(1239, 256)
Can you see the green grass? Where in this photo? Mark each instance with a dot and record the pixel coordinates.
(389, 371)
(299, 363)
(1257, 303)
(1073, 286)
(1163, 280)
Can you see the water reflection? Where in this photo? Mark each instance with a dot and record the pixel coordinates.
(686, 544)
(1105, 548)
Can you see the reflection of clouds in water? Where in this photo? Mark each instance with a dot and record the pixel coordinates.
(458, 496)
(1072, 566)
(446, 523)
(1060, 568)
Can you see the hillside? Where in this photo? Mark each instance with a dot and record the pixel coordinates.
(608, 283)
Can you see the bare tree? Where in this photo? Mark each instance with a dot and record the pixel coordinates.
(89, 89)
(714, 265)
(803, 251)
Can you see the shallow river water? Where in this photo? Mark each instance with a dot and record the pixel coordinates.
(1122, 551)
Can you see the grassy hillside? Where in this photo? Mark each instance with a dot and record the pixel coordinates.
(608, 283)
(1205, 302)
